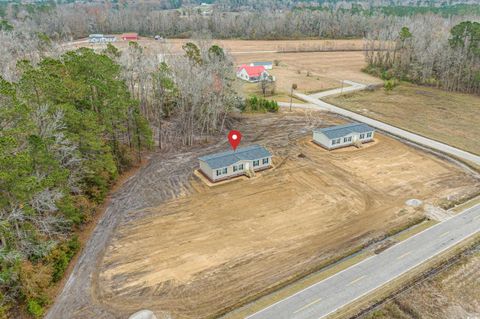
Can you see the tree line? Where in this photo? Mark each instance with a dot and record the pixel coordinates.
(68, 127)
(448, 58)
(75, 21)
(243, 19)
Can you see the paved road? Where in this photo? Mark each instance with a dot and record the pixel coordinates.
(352, 86)
(314, 100)
(331, 294)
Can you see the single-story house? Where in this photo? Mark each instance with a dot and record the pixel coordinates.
(252, 73)
(343, 135)
(229, 164)
(132, 36)
(266, 65)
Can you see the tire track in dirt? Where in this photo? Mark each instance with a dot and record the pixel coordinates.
(165, 177)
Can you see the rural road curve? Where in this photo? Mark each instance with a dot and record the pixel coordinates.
(341, 289)
(314, 101)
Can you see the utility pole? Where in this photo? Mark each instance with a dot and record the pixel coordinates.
(294, 87)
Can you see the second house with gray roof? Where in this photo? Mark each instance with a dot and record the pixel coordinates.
(224, 165)
(343, 135)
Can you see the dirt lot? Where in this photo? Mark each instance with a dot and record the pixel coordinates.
(452, 118)
(452, 294)
(186, 255)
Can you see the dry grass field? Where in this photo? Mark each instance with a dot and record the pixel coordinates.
(452, 294)
(453, 118)
(203, 253)
(244, 46)
(311, 71)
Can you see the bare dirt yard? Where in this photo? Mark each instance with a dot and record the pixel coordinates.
(209, 249)
(452, 294)
(449, 117)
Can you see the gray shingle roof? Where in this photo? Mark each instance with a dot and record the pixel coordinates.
(343, 130)
(224, 159)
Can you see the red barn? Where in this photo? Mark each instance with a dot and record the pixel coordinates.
(130, 36)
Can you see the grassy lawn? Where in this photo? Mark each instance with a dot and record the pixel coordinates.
(452, 118)
(251, 89)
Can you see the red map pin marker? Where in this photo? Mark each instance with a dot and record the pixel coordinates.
(234, 137)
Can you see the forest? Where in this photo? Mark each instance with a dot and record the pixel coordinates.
(449, 59)
(68, 128)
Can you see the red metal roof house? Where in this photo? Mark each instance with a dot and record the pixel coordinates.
(251, 73)
(130, 36)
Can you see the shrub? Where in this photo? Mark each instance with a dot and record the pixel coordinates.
(34, 308)
(60, 263)
(61, 256)
(260, 105)
(389, 84)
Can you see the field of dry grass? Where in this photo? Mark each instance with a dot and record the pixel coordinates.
(452, 118)
(241, 238)
(236, 47)
(311, 71)
(452, 294)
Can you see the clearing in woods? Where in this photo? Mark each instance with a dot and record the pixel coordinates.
(449, 117)
(208, 251)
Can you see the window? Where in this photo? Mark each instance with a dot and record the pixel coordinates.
(240, 167)
(334, 142)
(369, 134)
(224, 171)
(235, 168)
(256, 163)
(347, 139)
(362, 136)
(265, 161)
(219, 172)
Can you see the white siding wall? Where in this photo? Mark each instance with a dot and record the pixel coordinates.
(242, 74)
(207, 170)
(212, 173)
(323, 140)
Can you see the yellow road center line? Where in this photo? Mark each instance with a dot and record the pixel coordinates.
(357, 280)
(444, 234)
(306, 306)
(406, 254)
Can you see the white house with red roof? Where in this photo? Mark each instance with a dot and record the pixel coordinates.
(252, 73)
